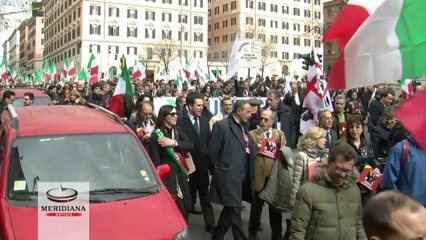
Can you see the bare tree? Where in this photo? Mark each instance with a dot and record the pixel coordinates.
(166, 50)
(267, 58)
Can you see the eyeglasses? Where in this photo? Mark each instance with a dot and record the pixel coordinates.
(340, 170)
(263, 119)
(172, 114)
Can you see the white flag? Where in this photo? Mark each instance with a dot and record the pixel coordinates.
(233, 60)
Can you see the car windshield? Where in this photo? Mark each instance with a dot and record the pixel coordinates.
(110, 162)
(38, 101)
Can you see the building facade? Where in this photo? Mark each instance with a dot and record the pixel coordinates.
(148, 30)
(286, 28)
(23, 46)
(14, 40)
(35, 43)
(5, 53)
(331, 49)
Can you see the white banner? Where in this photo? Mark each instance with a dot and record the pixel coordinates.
(250, 53)
(233, 60)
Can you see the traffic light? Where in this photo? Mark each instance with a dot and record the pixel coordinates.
(307, 60)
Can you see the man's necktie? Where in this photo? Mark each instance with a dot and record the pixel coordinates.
(196, 125)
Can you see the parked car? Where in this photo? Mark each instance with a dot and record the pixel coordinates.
(40, 97)
(83, 144)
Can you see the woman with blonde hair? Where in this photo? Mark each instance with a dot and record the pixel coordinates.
(311, 150)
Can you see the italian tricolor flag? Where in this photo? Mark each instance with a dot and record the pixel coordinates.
(187, 69)
(124, 87)
(92, 66)
(3, 69)
(380, 41)
(69, 69)
(407, 88)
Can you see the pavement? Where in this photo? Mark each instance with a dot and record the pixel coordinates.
(196, 223)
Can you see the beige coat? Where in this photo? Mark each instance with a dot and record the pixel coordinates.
(263, 165)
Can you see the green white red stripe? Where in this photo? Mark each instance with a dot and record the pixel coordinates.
(382, 42)
(124, 87)
(92, 66)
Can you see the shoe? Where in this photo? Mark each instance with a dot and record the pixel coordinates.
(260, 228)
(209, 229)
(195, 211)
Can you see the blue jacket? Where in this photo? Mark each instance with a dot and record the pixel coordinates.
(412, 175)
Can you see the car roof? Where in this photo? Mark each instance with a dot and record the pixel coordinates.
(60, 119)
(19, 92)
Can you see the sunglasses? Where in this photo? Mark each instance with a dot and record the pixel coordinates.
(173, 114)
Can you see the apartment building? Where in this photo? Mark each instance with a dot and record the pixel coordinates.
(35, 43)
(23, 46)
(13, 61)
(331, 49)
(161, 32)
(286, 29)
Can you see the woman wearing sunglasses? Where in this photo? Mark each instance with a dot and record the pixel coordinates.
(167, 144)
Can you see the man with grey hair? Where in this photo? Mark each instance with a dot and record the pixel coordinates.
(339, 115)
(325, 120)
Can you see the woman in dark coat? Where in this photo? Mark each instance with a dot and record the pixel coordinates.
(175, 182)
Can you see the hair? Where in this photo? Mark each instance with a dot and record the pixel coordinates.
(179, 100)
(309, 139)
(273, 92)
(140, 106)
(141, 97)
(76, 93)
(389, 112)
(377, 214)
(225, 99)
(128, 106)
(351, 121)
(30, 95)
(51, 87)
(386, 91)
(239, 105)
(273, 113)
(340, 97)
(320, 112)
(161, 93)
(344, 150)
(162, 114)
(191, 97)
(7, 94)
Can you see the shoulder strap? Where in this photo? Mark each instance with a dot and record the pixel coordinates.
(403, 159)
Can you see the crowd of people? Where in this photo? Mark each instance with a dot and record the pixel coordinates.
(254, 153)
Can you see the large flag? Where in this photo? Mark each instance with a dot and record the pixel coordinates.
(187, 69)
(407, 88)
(414, 121)
(124, 87)
(69, 69)
(178, 83)
(380, 41)
(3, 69)
(202, 76)
(92, 66)
(233, 60)
(82, 75)
(37, 76)
(316, 98)
(136, 74)
(217, 74)
(55, 76)
(46, 71)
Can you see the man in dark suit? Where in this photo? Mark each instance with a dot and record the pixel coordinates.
(230, 152)
(377, 106)
(325, 119)
(7, 98)
(197, 129)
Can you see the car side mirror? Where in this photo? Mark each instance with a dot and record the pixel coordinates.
(163, 170)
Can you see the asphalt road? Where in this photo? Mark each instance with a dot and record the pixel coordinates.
(196, 223)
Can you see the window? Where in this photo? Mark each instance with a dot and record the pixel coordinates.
(296, 12)
(285, 9)
(318, 15)
(114, 12)
(262, 37)
(233, 36)
(317, 30)
(274, 24)
(113, 50)
(233, 5)
(296, 27)
(225, 38)
(132, 13)
(216, 55)
(225, 8)
(225, 24)
(261, 22)
(216, 26)
(92, 49)
(261, 6)
(284, 40)
(95, 10)
(166, 34)
(94, 29)
(149, 15)
(167, 1)
(274, 8)
(249, 4)
(317, 43)
(216, 10)
(132, 51)
(114, 31)
(296, 41)
(185, 36)
(285, 55)
(183, 18)
(317, 2)
(224, 54)
(285, 25)
(307, 13)
(149, 53)
(185, 2)
(200, 3)
(132, 32)
(216, 41)
(307, 42)
(307, 1)
(198, 37)
(233, 21)
(249, 20)
(198, 20)
(274, 39)
(166, 17)
(198, 54)
(307, 28)
(249, 35)
(273, 54)
(150, 33)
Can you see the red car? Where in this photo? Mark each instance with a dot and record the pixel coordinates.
(40, 97)
(96, 147)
